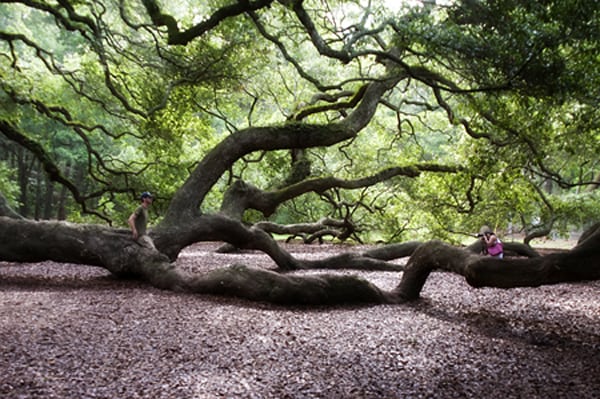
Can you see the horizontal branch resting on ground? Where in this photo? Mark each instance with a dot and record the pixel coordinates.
(114, 250)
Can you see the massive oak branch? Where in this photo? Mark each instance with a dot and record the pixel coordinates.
(30, 241)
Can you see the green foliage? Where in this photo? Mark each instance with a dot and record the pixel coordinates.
(8, 188)
(128, 112)
(537, 47)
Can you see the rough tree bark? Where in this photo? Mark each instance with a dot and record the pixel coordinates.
(114, 250)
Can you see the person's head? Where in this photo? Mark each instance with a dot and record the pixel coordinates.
(146, 197)
(485, 231)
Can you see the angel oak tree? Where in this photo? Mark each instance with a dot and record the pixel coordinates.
(477, 65)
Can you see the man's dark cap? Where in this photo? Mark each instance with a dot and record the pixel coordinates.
(146, 194)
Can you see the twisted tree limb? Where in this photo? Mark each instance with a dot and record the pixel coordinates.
(114, 250)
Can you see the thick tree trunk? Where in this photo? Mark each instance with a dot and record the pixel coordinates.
(114, 250)
(591, 232)
(393, 251)
(171, 240)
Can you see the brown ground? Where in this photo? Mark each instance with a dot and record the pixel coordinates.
(70, 331)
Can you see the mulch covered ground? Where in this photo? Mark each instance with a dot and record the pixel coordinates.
(69, 331)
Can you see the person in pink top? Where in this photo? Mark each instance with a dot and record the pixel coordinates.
(491, 243)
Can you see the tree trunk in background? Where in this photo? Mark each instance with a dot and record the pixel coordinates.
(23, 176)
(38, 199)
(61, 200)
(48, 203)
(61, 205)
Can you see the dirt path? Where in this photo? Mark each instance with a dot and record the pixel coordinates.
(71, 331)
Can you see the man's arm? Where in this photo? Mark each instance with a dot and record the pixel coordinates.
(131, 222)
